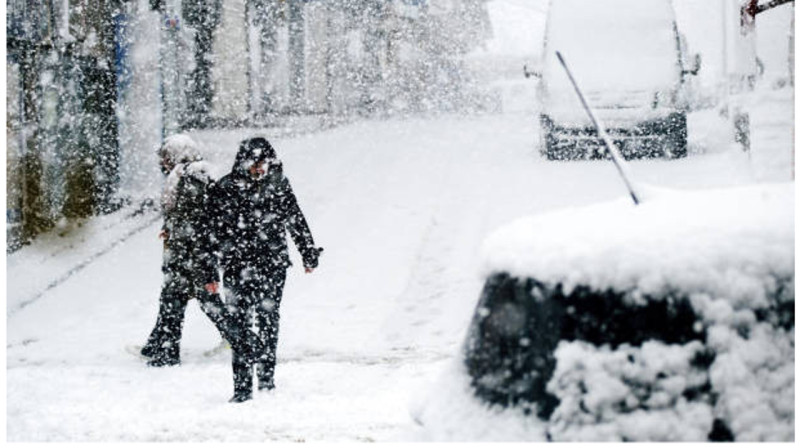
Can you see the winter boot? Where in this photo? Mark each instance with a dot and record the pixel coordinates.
(242, 378)
(164, 361)
(148, 351)
(242, 385)
(169, 356)
(265, 377)
(241, 397)
(266, 384)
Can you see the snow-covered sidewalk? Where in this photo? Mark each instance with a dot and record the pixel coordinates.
(52, 258)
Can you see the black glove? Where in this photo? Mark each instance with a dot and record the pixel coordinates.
(311, 257)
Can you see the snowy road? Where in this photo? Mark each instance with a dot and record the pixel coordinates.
(401, 208)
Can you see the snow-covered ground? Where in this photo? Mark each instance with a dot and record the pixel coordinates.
(401, 207)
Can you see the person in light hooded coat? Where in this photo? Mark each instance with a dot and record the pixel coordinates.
(187, 262)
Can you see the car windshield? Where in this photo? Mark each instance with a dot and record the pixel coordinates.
(613, 45)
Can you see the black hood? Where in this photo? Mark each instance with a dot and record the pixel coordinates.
(252, 151)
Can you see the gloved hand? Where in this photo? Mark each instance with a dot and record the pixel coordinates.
(311, 258)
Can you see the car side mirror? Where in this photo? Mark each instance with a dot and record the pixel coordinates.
(528, 73)
(696, 66)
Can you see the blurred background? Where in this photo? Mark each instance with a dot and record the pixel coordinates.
(94, 86)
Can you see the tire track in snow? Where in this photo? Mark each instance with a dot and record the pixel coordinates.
(443, 283)
(421, 304)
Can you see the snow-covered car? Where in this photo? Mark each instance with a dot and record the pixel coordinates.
(668, 321)
(627, 56)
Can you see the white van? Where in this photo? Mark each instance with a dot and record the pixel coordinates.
(626, 55)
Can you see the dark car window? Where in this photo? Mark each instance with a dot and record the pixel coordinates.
(519, 322)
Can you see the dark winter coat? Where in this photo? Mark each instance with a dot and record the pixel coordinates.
(252, 216)
(187, 249)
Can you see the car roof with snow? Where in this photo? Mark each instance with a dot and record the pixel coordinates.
(731, 243)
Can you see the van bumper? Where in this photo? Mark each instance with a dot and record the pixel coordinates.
(665, 137)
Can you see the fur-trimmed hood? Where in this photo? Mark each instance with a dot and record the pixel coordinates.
(180, 148)
(183, 151)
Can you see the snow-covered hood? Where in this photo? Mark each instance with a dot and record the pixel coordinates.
(633, 99)
(735, 243)
(616, 109)
(251, 151)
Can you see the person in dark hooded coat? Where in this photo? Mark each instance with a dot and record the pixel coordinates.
(254, 206)
(188, 262)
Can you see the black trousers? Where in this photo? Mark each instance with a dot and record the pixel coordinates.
(163, 344)
(254, 297)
